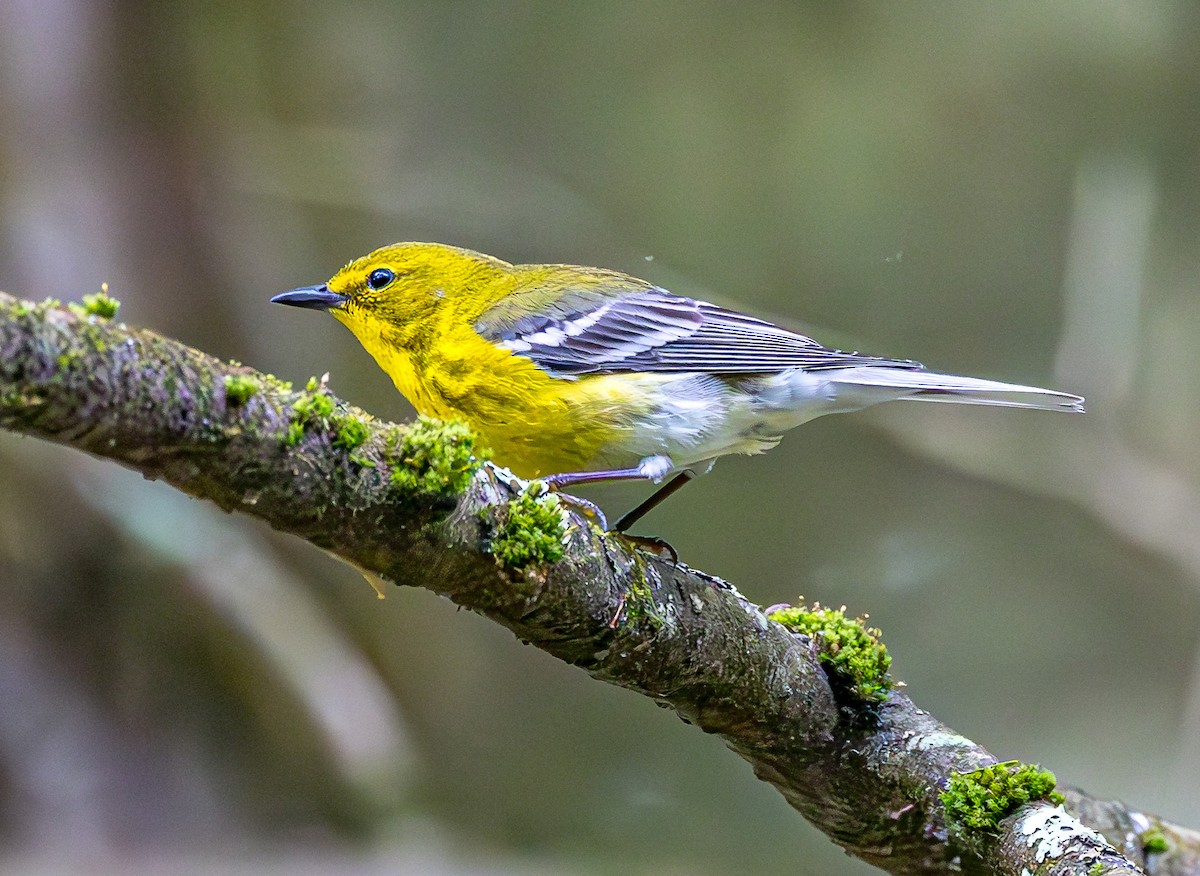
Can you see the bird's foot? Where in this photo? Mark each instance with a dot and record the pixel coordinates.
(586, 508)
(653, 544)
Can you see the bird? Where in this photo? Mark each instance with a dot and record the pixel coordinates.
(574, 374)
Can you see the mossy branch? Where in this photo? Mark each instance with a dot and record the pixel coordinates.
(809, 704)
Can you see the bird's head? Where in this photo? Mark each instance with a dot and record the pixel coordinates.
(397, 289)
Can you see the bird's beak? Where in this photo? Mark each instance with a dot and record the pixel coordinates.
(313, 297)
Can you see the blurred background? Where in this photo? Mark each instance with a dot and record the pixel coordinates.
(1009, 191)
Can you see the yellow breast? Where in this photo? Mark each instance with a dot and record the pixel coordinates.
(534, 423)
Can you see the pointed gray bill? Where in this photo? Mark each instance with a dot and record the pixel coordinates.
(313, 297)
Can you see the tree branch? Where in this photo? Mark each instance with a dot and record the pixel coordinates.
(403, 503)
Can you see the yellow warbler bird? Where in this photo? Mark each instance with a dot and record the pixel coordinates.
(585, 374)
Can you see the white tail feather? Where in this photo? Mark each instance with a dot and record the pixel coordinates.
(950, 388)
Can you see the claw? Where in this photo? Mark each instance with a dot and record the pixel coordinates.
(588, 509)
(653, 468)
(658, 545)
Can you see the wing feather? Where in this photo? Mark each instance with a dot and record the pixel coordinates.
(630, 326)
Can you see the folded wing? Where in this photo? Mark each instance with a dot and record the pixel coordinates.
(605, 330)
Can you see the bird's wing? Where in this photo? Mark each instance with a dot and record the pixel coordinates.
(597, 330)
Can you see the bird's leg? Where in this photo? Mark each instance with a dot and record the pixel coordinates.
(651, 468)
(653, 500)
(555, 482)
(571, 478)
(653, 542)
(588, 508)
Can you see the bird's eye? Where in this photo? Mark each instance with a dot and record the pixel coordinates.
(379, 278)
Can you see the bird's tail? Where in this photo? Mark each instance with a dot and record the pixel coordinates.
(926, 386)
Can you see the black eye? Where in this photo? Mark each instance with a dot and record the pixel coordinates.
(379, 278)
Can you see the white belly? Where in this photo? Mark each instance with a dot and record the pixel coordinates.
(698, 416)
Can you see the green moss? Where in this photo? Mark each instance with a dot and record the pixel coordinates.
(349, 432)
(431, 457)
(1154, 842)
(976, 802)
(850, 649)
(638, 595)
(530, 531)
(294, 434)
(314, 407)
(317, 409)
(101, 304)
(37, 309)
(239, 388)
(270, 381)
(637, 604)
